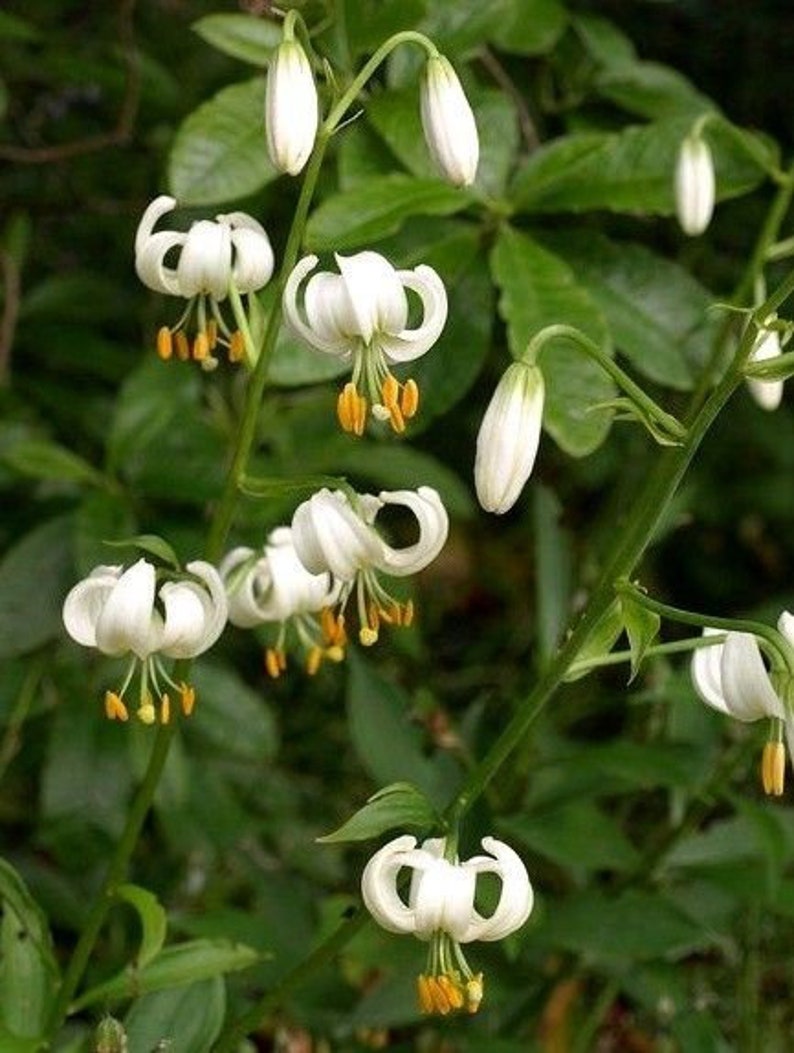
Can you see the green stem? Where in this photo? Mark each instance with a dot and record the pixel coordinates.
(115, 876)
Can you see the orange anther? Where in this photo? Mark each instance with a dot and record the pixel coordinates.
(187, 698)
(165, 709)
(115, 708)
(201, 347)
(773, 768)
(409, 400)
(272, 663)
(396, 418)
(313, 660)
(236, 347)
(182, 346)
(426, 1004)
(212, 333)
(390, 390)
(440, 999)
(452, 991)
(346, 407)
(165, 346)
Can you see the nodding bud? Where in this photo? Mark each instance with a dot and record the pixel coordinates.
(110, 1036)
(448, 122)
(291, 108)
(694, 185)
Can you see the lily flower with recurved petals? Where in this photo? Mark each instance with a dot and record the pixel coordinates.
(213, 255)
(362, 314)
(334, 533)
(124, 612)
(273, 586)
(441, 910)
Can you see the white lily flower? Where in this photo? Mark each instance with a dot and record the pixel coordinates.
(507, 443)
(731, 677)
(291, 109)
(362, 314)
(694, 185)
(767, 393)
(441, 909)
(448, 123)
(273, 586)
(213, 255)
(333, 534)
(124, 612)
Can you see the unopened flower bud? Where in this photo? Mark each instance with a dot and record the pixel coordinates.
(767, 393)
(509, 435)
(110, 1036)
(291, 110)
(448, 122)
(694, 185)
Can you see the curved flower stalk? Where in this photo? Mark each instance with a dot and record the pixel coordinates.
(291, 108)
(731, 678)
(272, 586)
(441, 909)
(335, 534)
(233, 250)
(507, 442)
(125, 612)
(361, 314)
(448, 122)
(694, 185)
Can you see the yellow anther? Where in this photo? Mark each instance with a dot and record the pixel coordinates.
(146, 712)
(201, 347)
(114, 707)
(328, 625)
(396, 418)
(347, 407)
(426, 1004)
(182, 346)
(452, 990)
(389, 391)
(335, 653)
(165, 709)
(408, 613)
(409, 400)
(368, 636)
(236, 347)
(386, 615)
(212, 333)
(773, 768)
(272, 663)
(313, 660)
(474, 993)
(187, 698)
(165, 345)
(440, 997)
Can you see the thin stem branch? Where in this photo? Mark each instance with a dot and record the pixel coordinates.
(12, 290)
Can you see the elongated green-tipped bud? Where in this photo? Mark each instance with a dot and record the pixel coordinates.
(448, 122)
(694, 185)
(291, 110)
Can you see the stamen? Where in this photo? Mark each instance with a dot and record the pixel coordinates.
(273, 663)
(452, 990)
(396, 418)
(236, 347)
(182, 346)
(187, 697)
(409, 400)
(390, 389)
(212, 333)
(165, 347)
(773, 769)
(440, 999)
(165, 709)
(115, 708)
(201, 347)
(313, 660)
(426, 1004)
(474, 993)
(351, 409)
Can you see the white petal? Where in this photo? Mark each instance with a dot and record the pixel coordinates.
(330, 313)
(409, 344)
(375, 292)
(155, 211)
(706, 671)
(515, 901)
(205, 263)
(253, 262)
(443, 898)
(294, 589)
(84, 604)
(785, 624)
(329, 536)
(767, 393)
(448, 122)
(242, 586)
(291, 109)
(125, 623)
(694, 185)
(150, 266)
(747, 689)
(293, 315)
(433, 522)
(379, 886)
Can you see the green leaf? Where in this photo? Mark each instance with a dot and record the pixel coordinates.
(606, 44)
(538, 289)
(377, 209)
(370, 22)
(30, 614)
(241, 36)
(642, 628)
(628, 171)
(651, 90)
(219, 151)
(657, 312)
(530, 27)
(236, 721)
(185, 963)
(265, 489)
(12, 27)
(151, 545)
(184, 1019)
(599, 643)
(399, 805)
(28, 972)
(100, 515)
(153, 918)
(576, 834)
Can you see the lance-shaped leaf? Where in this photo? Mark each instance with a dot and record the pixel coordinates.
(642, 628)
(153, 918)
(399, 805)
(151, 545)
(599, 643)
(242, 36)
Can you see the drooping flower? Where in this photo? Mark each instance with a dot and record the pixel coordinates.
(731, 678)
(448, 122)
(213, 255)
(441, 909)
(507, 443)
(273, 586)
(694, 185)
(767, 393)
(362, 314)
(125, 612)
(336, 533)
(291, 109)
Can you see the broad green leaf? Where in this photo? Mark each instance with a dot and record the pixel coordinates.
(185, 963)
(537, 289)
(659, 315)
(577, 834)
(379, 208)
(236, 721)
(99, 517)
(243, 37)
(642, 628)
(266, 489)
(153, 919)
(606, 44)
(11, 1043)
(41, 459)
(627, 171)
(651, 90)
(28, 973)
(399, 805)
(599, 643)
(294, 364)
(219, 151)
(370, 22)
(151, 545)
(35, 575)
(184, 1019)
(530, 27)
